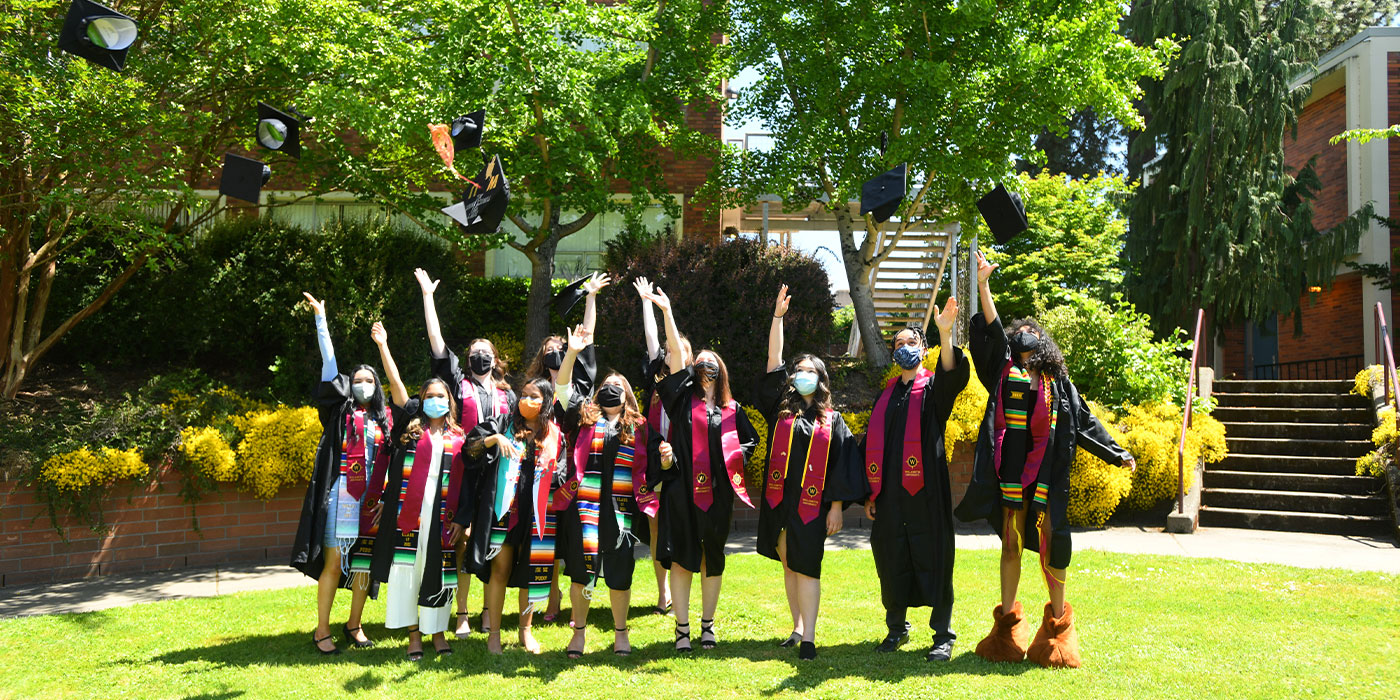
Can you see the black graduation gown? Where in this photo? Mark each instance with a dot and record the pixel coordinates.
(647, 385)
(1075, 427)
(912, 536)
(570, 527)
(389, 534)
(333, 403)
(805, 541)
(687, 532)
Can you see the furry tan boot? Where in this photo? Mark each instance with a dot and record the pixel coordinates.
(1056, 645)
(1007, 640)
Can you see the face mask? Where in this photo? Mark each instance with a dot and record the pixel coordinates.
(609, 396)
(805, 382)
(529, 408)
(435, 407)
(481, 363)
(708, 370)
(908, 356)
(554, 359)
(1024, 342)
(363, 391)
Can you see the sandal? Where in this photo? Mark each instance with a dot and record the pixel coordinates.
(660, 610)
(317, 643)
(350, 635)
(415, 655)
(578, 632)
(683, 635)
(791, 641)
(621, 652)
(708, 627)
(468, 633)
(443, 650)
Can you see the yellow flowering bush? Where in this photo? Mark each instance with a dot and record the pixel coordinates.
(1361, 386)
(83, 468)
(856, 421)
(207, 451)
(1095, 486)
(758, 462)
(1384, 437)
(278, 448)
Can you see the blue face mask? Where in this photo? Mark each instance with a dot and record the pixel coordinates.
(805, 382)
(908, 356)
(435, 407)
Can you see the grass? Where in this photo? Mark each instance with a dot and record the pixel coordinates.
(1149, 626)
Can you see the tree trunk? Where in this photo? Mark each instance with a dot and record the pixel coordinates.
(862, 298)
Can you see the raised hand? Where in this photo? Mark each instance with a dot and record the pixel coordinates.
(425, 283)
(945, 317)
(580, 338)
(596, 282)
(984, 268)
(659, 298)
(378, 334)
(317, 306)
(643, 286)
(780, 306)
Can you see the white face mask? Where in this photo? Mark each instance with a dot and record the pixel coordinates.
(363, 391)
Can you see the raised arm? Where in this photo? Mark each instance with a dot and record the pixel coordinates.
(429, 285)
(648, 318)
(323, 339)
(397, 392)
(944, 320)
(590, 308)
(674, 358)
(775, 329)
(579, 339)
(984, 290)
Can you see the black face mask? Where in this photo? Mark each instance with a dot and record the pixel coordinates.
(708, 370)
(554, 359)
(481, 362)
(609, 396)
(1024, 342)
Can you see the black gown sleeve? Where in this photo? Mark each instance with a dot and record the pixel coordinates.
(748, 437)
(947, 385)
(843, 466)
(988, 345)
(770, 393)
(585, 371)
(1091, 434)
(471, 471)
(449, 370)
(401, 416)
(330, 398)
(474, 446)
(675, 393)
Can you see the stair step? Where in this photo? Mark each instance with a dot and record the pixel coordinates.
(1262, 400)
(1302, 448)
(1299, 501)
(1324, 523)
(1288, 464)
(1236, 414)
(1282, 386)
(1285, 481)
(1300, 431)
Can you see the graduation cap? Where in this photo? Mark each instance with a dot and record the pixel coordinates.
(279, 131)
(1004, 213)
(882, 195)
(243, 178)
(467, 131)
(98, 33)
(569, 297)
(482, 207)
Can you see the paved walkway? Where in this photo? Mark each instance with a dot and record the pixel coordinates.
(1254, 546)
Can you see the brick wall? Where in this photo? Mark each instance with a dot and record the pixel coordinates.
(1333, 323)
(1319, 122)
(149, 530)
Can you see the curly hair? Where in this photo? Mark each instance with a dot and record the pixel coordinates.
(520, 426)
(1047, 359)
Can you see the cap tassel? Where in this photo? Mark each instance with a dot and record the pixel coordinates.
(442, 141)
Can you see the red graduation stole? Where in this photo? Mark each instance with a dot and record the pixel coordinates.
(813, 477)
(701, 487)
(646, 499)
(583, 447)
(545, 461)
(471, 408)
(412, 501)
(913, 472)
(353, 448)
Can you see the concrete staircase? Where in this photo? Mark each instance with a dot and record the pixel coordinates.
(1292, 448)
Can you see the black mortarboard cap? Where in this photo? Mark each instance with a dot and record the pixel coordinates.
(1004, 213)
(881, 196)
(98, 33)
(278, 130)
(468, 130)
(482, 208)
(243, 178)
(569, 297)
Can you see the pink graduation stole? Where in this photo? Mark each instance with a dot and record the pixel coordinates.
(583, 446)
(471, 409)
(814, 474)
(647, 501)
(702, 488)
(353, 446)
(545, 464)
(412, 501)
(913, 470)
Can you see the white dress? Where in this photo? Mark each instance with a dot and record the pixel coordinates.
(404, 580)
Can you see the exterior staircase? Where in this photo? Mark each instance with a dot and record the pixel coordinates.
(1291, 453)
(904, 285)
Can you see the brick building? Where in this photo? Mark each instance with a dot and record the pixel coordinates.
(1356, 85)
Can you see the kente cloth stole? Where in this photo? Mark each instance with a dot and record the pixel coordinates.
(1015, 426)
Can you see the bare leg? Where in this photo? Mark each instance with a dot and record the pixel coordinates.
(681, 579)
(709, 600)
(527, 637)
(578, 619)
(620, 600)
(325, 597)
(359, 593)
(464, 585)
(809, 595)
(555, 595)
(1054, 578)
(663, 589)
(790, 586)
(1011, 546)
(496, 594)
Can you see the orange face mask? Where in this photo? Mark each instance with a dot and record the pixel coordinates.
(529, 408)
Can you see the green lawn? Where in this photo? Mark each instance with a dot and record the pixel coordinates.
(1149, 627)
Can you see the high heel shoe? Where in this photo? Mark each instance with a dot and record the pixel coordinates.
(708, 627)
(415, 655)
(324, 652)
(355, 642)
(683, 636)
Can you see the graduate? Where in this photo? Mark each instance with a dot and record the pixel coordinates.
(813, 471)
(658, 431)
(342, 499)
(703, 467)
(479, 393)
(1035, 420)
(414, 551)
(909, 502)
(523, 461)
(608, 461)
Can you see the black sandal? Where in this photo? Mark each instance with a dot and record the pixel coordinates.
(355, 642)
(415, 655)
(443, 651)
(317, 643)
(576, 653)
(660, 610)
(621, 652)
(458, 626)
(707, 627)
(683, 635)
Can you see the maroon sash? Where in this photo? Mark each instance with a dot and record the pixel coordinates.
(471, 407)
(814, 472)
(412, 501)
(647, 501)
(702, 488)
(353, 447)
(912, 475)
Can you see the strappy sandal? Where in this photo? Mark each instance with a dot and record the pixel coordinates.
(657, 609)
(683, 635)
(578, 631)
(622, 652)
(349, 634)
(708, 627)
(444, 650)
(317, 643)
(458, 626)
(415, 655)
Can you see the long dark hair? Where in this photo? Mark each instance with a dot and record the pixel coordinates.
(419, 422)
(537, 368)
(722, 393)
(520, 426)
(499, 369)
(1047, 359)
(821, 398)
(378, 407)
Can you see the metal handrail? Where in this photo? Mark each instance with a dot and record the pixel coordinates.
(1392, 386)
(1186, 416)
